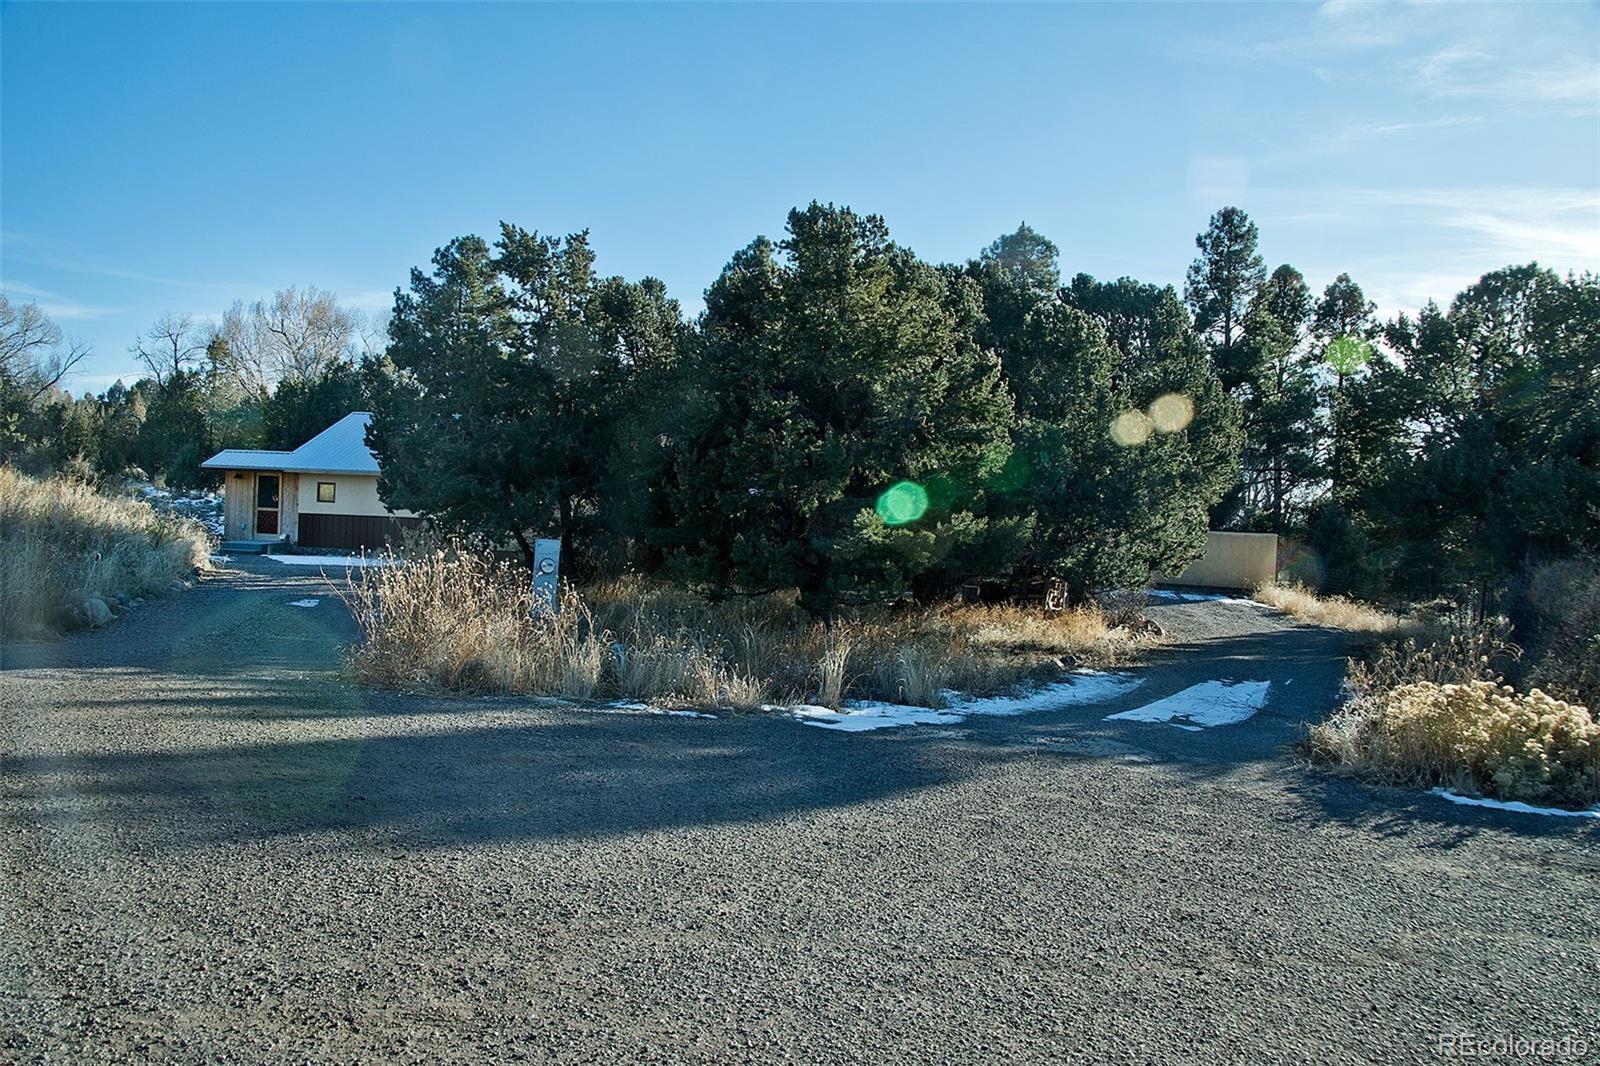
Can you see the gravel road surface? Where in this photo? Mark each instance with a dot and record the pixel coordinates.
(213, 849)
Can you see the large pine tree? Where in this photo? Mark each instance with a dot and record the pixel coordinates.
(838, 413)
(1100, 511)
(512, 379)
(1221, 282)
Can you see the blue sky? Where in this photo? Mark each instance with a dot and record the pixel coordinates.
(179, 157)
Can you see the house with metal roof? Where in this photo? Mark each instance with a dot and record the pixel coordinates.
(323, 494)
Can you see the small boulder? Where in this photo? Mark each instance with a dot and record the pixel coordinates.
(93, 612)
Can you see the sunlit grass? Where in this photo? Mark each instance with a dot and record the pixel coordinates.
(1336, 612)
(67, 552)
(450, 621)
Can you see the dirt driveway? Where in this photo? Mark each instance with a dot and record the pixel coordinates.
(214, 849)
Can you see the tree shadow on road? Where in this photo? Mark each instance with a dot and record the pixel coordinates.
(513, 776)
(1425, 820)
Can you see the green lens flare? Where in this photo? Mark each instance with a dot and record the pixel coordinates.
(902, 502)
(1348, 354)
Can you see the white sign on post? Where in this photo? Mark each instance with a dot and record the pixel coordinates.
(547, 576)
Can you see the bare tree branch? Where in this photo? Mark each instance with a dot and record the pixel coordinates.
(293, 337)
(172, 344)
(34, 357)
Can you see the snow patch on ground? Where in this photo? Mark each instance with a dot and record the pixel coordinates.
(304, 603)
(860, 716)
(647, 708)
(203, 507)
(1210, 703)
(1176, 596)
(1512, 805)
(328, 560)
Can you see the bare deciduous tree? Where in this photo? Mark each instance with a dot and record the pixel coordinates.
(34, 356)
(172, 344)
(292, 337)
(371, 332)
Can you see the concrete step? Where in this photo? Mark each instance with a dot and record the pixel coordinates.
(249, 547)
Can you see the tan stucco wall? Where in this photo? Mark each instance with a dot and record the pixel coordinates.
(355, 494)
(1231, 561)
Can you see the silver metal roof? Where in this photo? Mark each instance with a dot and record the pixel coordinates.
(247, 459)
(339, 449)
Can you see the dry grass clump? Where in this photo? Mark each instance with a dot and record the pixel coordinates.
(1477, 737)
(455, 621)
(69, 555)
(1336, 612)
(1437, 712)
(1094, 634)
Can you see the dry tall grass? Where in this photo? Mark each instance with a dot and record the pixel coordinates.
(1436, 711)
(67, 553)
(448, 620)
(1477, 736)
(1336, 612)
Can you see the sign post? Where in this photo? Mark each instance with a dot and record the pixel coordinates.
(547, 576)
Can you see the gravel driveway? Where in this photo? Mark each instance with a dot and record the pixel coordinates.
(214, 849)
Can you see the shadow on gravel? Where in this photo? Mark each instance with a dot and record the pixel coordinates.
(1284, 651)
(233, 623)
(542, 779)
(307, 752)
(1401, 812)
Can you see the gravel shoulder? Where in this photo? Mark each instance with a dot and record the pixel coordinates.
(213, 848)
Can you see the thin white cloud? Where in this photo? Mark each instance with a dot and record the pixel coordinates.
(1467, 72)
(81, 266)
(1218, 179)
(366, 299)
(82, 384)
(54, 304)
(1361, 134)
(1558, 226)
(1395, 291)
(1513, 56)
(1431, 243)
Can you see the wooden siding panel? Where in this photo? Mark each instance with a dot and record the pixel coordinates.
(238, 504)
(289, 506)
(352, 531)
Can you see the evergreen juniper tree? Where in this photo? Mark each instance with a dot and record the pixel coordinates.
(499, 404)
(839, 415)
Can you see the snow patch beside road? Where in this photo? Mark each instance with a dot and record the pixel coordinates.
(1175, 596)
(859, 716)
(1512, 805)
(328, 560)
(1210, 703)
(649, 708)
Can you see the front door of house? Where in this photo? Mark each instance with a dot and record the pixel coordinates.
(266, 505)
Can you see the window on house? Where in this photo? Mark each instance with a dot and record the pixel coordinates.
(324, 492)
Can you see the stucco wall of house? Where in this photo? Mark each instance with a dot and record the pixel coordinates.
(1231, 561)
(353, 494)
